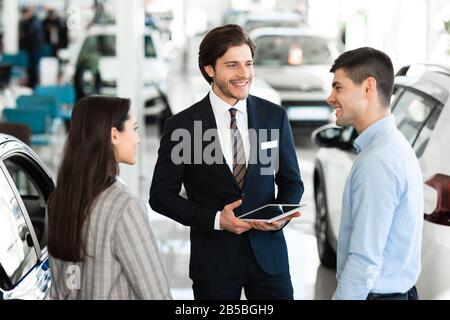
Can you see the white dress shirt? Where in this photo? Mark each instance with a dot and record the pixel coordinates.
(223, 120)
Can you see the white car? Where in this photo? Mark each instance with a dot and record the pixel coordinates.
(252, 21)
(296, 63)
(421, 105)
(92, 67)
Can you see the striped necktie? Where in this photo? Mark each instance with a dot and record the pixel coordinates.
(239, 168)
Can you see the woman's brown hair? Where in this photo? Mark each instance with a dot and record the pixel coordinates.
(88, 167)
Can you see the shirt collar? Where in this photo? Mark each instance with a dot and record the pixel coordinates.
(368, 135)
(221, 107)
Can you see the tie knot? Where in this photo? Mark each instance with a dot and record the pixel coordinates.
(233, 112)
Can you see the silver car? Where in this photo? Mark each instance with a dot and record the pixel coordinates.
(25, 186)
(296, 63)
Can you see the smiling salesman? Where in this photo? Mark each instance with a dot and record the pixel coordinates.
(228, 254)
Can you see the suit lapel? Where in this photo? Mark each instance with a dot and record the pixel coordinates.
(205, 114)
(255, 117)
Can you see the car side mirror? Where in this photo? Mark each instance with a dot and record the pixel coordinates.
(330, 136)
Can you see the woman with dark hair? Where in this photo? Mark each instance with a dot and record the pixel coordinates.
(100, 241)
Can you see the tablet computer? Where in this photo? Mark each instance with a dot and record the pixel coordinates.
(271, 212)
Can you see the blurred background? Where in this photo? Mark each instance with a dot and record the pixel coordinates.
(54, 52)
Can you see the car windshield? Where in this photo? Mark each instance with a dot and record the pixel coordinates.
(105, 46)
(293, 50)
(255, 24)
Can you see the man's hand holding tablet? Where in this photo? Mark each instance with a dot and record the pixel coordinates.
(272, 216)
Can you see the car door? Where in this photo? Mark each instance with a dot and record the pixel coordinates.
(336, 165)
(25, 189)
(430, 146)
(417, 116)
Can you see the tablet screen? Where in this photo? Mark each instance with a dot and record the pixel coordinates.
(271, 211)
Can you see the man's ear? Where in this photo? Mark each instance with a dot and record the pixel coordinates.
(371, 86)
(114, 136)
(210, 70)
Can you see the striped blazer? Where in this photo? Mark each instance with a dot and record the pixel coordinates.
(122, 259)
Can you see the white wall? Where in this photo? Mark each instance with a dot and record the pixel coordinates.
(401, 28)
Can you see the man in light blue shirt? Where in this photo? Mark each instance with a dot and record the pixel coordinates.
(379, 243)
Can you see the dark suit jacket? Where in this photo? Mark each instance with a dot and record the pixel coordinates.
(209, 187)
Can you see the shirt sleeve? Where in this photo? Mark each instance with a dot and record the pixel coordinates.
(136, 249)
(217, 221)
(375, 190)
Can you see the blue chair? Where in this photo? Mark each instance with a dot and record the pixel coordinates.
(49, 104)
(64, 95)
(39, 102)
(36, 120)
(19, 62)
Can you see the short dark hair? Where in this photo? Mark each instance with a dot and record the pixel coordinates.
(217, 42)
(361, 63)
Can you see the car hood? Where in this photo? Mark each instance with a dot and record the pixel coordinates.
(316, 78)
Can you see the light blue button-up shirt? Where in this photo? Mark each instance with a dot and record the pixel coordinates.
(380, 233)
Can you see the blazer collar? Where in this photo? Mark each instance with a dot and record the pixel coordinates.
(205, 113)
(256, 115)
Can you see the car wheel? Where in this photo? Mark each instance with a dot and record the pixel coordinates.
(326, 253)
(86, 82)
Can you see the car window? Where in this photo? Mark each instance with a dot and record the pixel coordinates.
(149, 47)
(95, 46)
(424, 135)
(106, 45)
(293, 50)
(396, 92)
(32, 197)
(89, 46)
(88, 54)
(411, 112)
(17, 253)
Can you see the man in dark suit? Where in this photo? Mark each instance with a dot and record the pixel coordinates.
(234, 148)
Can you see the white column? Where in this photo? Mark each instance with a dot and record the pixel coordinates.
(130, 55)
(11, 26)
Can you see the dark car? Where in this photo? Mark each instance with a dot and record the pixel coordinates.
(25, 186)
